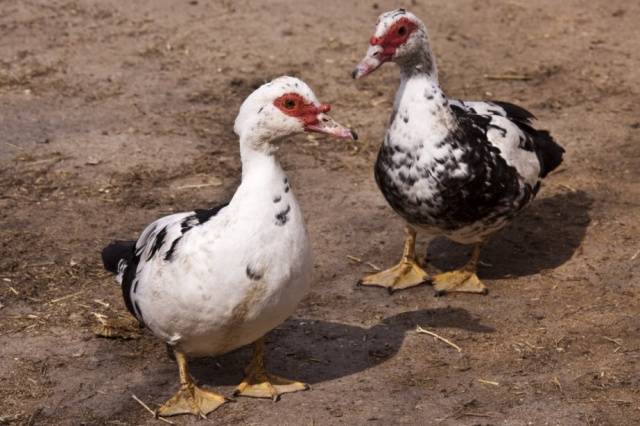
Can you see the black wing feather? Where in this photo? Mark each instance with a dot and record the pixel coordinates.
(549, 152)
(515, 112)
(204, 215)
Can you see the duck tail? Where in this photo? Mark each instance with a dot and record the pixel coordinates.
(549, 152)
(117, 256)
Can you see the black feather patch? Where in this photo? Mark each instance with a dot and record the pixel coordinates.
(458, 110)
(115, 252)
(128, 280)
(502, 130)
(489, 191)
(515, 112)
(199, 217)
(138, 312)
(203, 215)
(253, 274)
(169, 256)
(540, 141)
(283, 216)
(548, 151)
(157, 244)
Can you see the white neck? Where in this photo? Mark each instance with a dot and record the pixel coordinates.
(259, 162)
(422, 114)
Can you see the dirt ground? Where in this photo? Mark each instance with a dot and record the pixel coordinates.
(114, 113)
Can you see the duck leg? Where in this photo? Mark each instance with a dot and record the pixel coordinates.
(190, 399)
(463, 280)
(260, 384)
(405, 274)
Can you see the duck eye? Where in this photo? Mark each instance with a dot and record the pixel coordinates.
(402, 31)
(289, 103)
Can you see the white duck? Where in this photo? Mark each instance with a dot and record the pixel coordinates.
(210, 281)
(454, 168)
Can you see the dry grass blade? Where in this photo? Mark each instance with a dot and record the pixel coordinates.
(68, 296)
(442, 339)
(472, 414)
(101, 302)
(373, 266)
(616, 341)
(567, 187)
(359, 260)
(146, 407)
(489, 382)
(198, 186)
(13, 145)
(516, 77)
(101, 317)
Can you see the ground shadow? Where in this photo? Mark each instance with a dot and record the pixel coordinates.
(544, 236)
(317, 351)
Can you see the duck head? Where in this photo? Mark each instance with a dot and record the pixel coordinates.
(284, 107)
(400, 37)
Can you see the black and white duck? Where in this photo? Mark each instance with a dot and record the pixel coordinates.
(209, 281)
(448, 167)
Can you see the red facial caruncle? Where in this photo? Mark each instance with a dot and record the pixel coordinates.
(394, 37)
(294, 105)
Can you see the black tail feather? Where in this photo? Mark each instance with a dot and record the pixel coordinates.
(116, 251)
(515, 112)
(548, 151)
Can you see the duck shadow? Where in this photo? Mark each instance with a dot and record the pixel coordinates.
(316, 351)
(544, 236)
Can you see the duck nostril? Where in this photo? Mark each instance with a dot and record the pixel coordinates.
(325, 119)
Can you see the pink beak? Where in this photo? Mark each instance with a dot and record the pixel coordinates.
(329, 126)
(370, 63)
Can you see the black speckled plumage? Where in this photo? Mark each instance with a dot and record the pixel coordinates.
(493, 190)
(462, 169)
